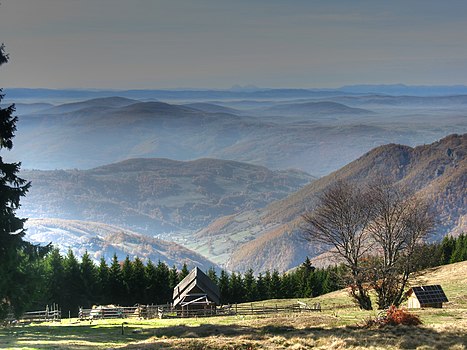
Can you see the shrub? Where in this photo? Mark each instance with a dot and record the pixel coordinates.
(396, 316)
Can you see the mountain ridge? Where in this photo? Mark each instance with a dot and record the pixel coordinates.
(438, 172)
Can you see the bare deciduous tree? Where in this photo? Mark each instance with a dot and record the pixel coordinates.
(375, 231)
(340, 222)
(399, 222)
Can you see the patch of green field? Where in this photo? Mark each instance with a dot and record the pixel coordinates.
(337, 326)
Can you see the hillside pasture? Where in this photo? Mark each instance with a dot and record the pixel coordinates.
(340, 325)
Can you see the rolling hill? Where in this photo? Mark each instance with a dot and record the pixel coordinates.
(157, 196)
(271, 238)
(324, 135)
(315, 109)
(101, 240)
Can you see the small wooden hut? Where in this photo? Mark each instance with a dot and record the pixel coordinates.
(426, 296)
(196, 294)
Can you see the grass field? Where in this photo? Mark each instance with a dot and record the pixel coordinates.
(336, 327)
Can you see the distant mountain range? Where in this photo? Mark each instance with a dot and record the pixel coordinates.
(271, 238)
(16, 94)
(317, 136)
(157, 196)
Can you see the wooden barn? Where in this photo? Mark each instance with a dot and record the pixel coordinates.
(196, 292)
(426, 296)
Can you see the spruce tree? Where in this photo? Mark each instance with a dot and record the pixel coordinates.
(89, 279)
(164, 292)
(115, 281)
(224, 287)
(249, 283)
(102, 289)
(212, 275)
(18, 259)
(261, 288)
(54, 277)
(275, 285)
(73, 285)
(183, 273)
(138, 282)
(459, 253)
(173, 277)
(127, 276)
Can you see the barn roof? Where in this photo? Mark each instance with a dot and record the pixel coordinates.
(196, 283)
(429, 294)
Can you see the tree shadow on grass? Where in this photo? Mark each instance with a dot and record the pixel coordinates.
(83, 336)
(250, 337)
(236, 336)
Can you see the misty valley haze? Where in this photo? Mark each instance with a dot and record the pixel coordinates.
(206, 169)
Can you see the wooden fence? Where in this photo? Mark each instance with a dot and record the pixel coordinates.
(167, 311)
(235, 309)
(138, 311)
(52, 313)
(252, 309)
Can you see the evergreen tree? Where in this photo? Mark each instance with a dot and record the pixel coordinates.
(448, 244)
(224, 288)
(275, 285)
(115, 281)
(236, 289)
(267, 285)
(54, 277)
(19, 260)
(288, 286)
(173, 278)
(152, 289)
(212, 275)
(183, 273)
(165, 292)
(138, 282)
(459, 252)
(73, 286)
(89, 279)
(127, 276)
(102, 277)
(249, 283)
(261, 288)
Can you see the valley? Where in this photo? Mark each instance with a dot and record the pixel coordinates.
(229, 174)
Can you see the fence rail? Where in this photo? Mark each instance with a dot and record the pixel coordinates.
(52, 313)
(105, 312)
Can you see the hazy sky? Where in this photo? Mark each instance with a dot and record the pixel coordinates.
(217, 43)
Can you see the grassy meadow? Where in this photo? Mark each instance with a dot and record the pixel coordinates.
(338, 326)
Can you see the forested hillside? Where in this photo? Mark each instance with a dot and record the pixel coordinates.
(274, 240)
(157, 196)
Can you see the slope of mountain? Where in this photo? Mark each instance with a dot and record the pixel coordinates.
(437, 172)
(101, 240)
(157, 196)
(106, 102)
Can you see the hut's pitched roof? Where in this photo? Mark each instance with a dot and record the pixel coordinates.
(196, 283)
(429, 294)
